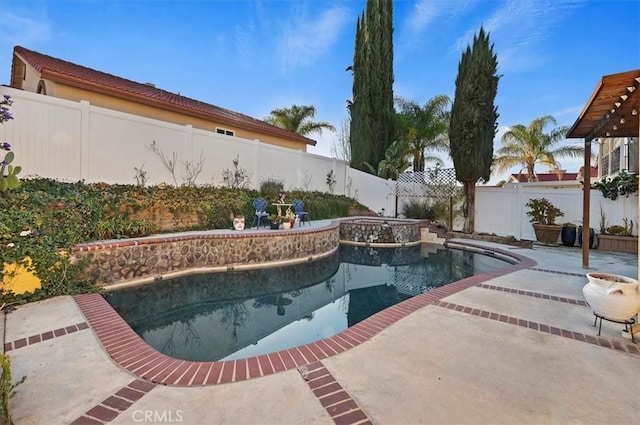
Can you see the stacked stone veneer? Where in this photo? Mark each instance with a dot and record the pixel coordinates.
(381, 231)
(147, 258)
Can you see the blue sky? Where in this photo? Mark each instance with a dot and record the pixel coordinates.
(252, 56)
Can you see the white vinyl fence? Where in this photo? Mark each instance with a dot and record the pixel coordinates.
(502, 211)
(76, 141)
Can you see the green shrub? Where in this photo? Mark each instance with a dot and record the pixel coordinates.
(44, 219)
(7, 389)
(270, 188)
(426, 210)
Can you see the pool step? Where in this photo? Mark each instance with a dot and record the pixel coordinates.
(433, 233)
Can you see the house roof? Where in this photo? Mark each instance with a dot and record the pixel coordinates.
(68, 73)
(593, 171)
(610, 110)
(546, 177)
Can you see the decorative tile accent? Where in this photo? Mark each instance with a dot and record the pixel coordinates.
(114, 405)
(534, 294)
(337, 402)
(552, 330)
(34, 339)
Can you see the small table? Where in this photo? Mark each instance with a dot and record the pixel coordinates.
(627, 324)
(279, 208)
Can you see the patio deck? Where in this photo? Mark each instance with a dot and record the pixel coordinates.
(515, 348)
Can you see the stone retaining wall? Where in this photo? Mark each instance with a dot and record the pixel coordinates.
(381, 231)
(145, 259)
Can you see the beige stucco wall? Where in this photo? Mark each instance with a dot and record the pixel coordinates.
(32, 77)
(105, 101)
(64, 91)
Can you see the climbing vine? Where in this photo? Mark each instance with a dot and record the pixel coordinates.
(623, 184)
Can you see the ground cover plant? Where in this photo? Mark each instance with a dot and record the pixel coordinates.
(43, 219)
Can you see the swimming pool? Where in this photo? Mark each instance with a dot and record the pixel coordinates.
(239, 314)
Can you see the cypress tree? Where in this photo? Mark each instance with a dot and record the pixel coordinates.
(474, 119)
(372, 102)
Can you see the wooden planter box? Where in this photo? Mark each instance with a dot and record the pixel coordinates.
(628, 244)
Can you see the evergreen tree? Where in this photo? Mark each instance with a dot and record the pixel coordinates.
(371, 106)
(474, 119)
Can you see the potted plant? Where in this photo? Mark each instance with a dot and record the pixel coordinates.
(543, 218)
(568, 234)
(290, 218)
(592, 237)
(274, 221)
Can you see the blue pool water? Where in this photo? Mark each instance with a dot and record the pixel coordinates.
(234, 315)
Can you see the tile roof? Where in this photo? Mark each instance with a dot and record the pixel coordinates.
(546, 177)
(71, 74)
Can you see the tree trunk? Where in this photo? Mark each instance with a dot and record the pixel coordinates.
(531, 175)
(470, 205)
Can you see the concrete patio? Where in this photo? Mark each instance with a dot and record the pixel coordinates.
(465, 359)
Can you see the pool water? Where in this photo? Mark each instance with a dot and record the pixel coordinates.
(240, 314)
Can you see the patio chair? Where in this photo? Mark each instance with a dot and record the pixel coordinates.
(261, 216)
(298, 209)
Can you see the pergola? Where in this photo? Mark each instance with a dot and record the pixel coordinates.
(612, 111)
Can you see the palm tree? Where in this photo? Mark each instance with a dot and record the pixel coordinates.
(424, 128)
(394, 162)
(298, 119)
(528, 146)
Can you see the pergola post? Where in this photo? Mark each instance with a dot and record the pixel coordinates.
(612, 111)
(586, 204)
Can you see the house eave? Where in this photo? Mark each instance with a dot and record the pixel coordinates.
(124, 95)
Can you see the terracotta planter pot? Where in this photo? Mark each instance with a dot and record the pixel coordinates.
(547, 233)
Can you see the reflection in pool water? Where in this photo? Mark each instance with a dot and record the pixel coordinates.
(233, 315)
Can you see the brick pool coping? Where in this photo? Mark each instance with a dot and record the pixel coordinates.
(132, 353)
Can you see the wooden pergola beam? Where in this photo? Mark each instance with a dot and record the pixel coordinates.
(615, 97)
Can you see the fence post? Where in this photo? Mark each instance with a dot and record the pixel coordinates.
(256, 155)
(85, 142)
(450, 213)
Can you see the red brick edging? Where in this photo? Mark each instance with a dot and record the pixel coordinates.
(113, 406)
(337, 402)
(23, 342)
(130, 351)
